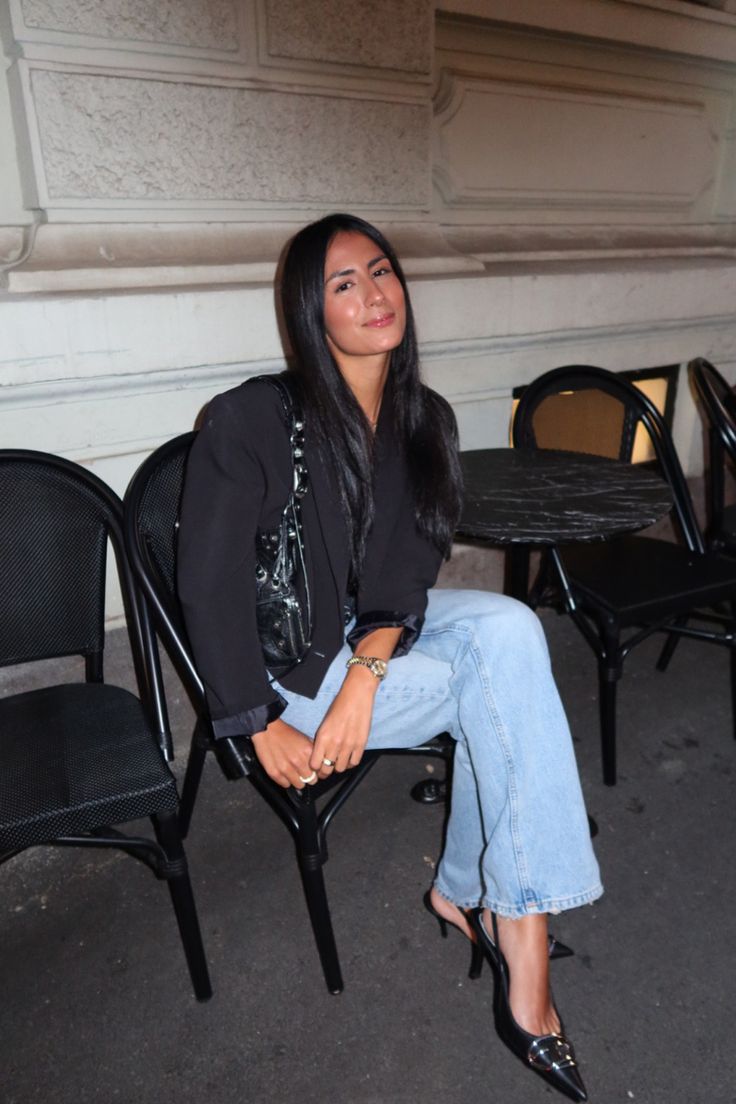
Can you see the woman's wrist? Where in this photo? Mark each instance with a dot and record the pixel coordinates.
(359, 677)
(377, 666)
(271, 729)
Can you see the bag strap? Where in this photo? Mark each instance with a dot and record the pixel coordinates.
(295, 423)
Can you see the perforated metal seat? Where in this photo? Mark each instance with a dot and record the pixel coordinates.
(76, 759)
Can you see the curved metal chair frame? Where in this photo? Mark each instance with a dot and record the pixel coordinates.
(719, 404)
(151, 522)
(635, 583)
(77, 758)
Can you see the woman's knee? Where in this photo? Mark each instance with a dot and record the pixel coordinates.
(497, 611)
(500, 625)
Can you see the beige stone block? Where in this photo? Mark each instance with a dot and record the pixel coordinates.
(118, 139)
(387, 34)
(213, 24)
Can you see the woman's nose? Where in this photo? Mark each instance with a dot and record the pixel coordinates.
(375, 294)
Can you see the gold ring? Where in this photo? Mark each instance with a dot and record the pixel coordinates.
(310, 778)
(328, 762)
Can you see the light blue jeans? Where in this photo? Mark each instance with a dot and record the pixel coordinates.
(517, 837)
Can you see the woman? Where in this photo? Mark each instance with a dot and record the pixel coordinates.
(383, 500)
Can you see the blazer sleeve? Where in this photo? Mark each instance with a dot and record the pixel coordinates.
(224, 494)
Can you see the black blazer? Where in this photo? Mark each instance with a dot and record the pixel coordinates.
(238, 479)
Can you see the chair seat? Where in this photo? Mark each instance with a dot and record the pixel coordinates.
(640, 579)
(92, 758)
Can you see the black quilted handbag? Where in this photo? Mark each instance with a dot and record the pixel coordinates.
(283, 605)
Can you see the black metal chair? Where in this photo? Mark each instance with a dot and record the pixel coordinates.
(80, 757)
(719, 406)
(151, 522)
(635, 583)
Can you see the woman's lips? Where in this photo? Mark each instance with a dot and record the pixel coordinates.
(381, 321)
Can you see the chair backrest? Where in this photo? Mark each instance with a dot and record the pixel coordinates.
(719, 405)
(593, 422)
(56, 521)
(718, 400)
(152, 503)
(608, 409)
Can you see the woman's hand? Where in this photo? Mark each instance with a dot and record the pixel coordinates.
(343, 734)
(284, 753)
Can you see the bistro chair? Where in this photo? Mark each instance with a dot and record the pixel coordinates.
(151, 522)
(632, 585)
(718, 403)
(79, 758)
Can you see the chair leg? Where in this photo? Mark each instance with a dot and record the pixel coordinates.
(516, 582)
(668, 648)
(434, 791)
(608, 677)
(311, 859)
(541, 582)
(192, 778)
(732, 653)
(182, 898)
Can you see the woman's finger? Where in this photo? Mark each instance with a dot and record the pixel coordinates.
(326, 767)
(320, 753)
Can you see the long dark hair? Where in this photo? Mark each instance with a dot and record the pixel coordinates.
(423, 422)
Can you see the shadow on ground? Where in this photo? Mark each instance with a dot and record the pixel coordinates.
(96, 1000)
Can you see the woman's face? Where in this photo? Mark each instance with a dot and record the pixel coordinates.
(365, 312)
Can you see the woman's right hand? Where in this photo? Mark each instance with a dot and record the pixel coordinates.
(283, 752)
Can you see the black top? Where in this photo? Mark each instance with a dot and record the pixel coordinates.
(238, 478)
(538, 496)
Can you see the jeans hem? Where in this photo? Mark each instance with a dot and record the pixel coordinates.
(552, 905)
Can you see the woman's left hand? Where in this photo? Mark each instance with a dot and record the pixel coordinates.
(343, 734)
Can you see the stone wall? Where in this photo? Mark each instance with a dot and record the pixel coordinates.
(560, 180)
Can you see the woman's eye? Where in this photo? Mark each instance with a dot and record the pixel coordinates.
(384, 270)
(344, 287)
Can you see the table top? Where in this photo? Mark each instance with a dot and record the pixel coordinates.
(538, 496)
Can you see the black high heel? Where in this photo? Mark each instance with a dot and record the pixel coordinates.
(476, 958)
(556, 949)
(551, 1056)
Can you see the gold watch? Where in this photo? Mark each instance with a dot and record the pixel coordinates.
(377, 667)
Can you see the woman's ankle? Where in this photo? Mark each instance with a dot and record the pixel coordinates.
(450, 912)
(524, 944)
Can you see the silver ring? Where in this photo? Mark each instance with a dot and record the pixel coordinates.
(328, 762)
(310, 778)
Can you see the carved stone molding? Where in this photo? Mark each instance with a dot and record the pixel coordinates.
(76, 257)
(468, 383)
(527, 147)
(525, 244)
(670, 26)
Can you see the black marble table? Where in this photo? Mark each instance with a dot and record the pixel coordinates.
(545, 497)
(522, 498)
